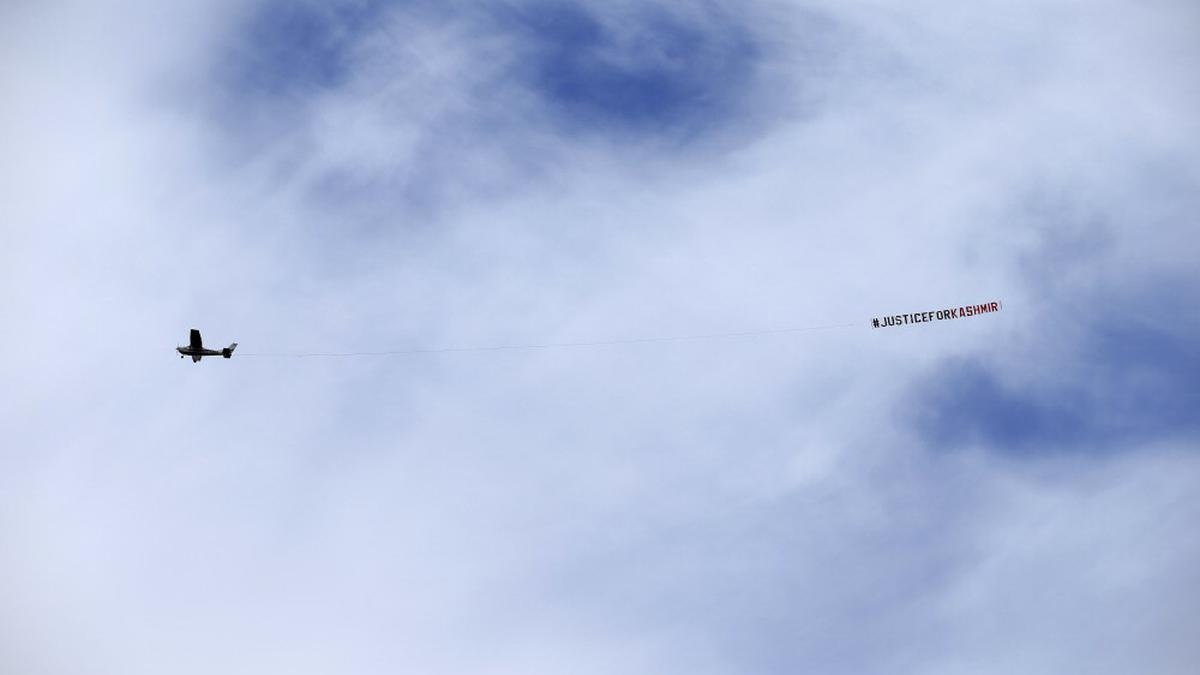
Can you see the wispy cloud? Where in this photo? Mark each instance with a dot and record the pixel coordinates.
(1012, 493)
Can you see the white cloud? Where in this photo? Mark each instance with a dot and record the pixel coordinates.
(742, 505)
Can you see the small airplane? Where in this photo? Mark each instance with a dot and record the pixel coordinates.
(196, 350)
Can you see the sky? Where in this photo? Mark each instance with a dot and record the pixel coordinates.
(1014, 492)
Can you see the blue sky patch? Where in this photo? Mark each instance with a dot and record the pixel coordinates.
(652, 73)
(1133, 379)
(658, 77)
(290, 48)
(278, 60)
(967, 403)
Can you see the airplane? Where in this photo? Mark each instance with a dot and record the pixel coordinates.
(196, 350)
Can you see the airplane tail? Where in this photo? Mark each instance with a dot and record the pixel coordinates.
(228, 351)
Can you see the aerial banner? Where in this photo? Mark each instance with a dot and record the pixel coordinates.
(947, 314)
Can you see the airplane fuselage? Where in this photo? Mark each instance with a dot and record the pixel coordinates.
(197, 353)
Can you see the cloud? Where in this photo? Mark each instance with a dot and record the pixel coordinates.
(1129, 382)
(366, 176)
(1109, 368)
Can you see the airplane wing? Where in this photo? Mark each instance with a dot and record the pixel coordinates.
(196, 343)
